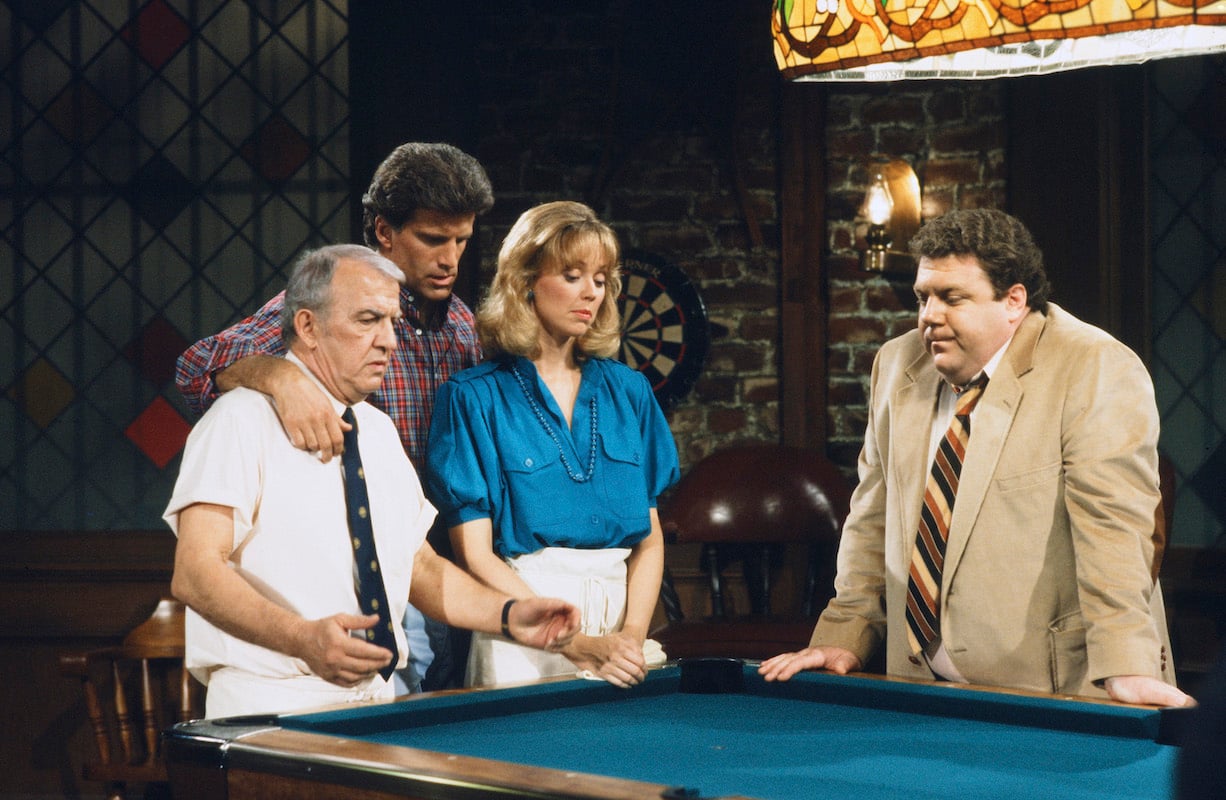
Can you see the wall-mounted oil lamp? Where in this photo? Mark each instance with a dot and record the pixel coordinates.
(892, 209)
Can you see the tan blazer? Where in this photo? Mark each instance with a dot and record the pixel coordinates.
(1047, 582)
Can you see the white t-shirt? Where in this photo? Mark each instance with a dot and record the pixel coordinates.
(291, 537)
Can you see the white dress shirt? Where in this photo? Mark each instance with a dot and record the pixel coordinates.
(291, 541)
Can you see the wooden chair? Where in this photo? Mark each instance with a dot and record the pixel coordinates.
(748, 504)
(146, 683)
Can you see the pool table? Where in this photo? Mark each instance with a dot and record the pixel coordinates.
(711, 728)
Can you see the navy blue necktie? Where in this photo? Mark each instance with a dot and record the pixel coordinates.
(368, 578)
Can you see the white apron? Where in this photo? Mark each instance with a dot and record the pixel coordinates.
(594, 581)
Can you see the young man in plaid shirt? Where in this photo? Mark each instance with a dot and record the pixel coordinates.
(419, 212)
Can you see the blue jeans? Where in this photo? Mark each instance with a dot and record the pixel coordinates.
(421, 654)
(438, 655)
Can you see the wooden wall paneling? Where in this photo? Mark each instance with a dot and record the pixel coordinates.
(65, 590)
(1077, 174)
(804, 303)
(1124, 207)
(81, 583)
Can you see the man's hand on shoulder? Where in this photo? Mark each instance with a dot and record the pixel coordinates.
(305, 411)
(334, 655)
(307, 414)
(1145, 690)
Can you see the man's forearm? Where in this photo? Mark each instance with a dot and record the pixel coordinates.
(259, 373)
(232, 605)
(204, 581)
(196, 369)
(445, 592)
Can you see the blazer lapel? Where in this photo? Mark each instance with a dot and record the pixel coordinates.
(913, 408)
(989, 428)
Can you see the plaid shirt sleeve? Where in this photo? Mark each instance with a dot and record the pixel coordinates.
(259, 334)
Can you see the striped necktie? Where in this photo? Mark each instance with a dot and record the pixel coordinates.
(368, 578)
(928, 557)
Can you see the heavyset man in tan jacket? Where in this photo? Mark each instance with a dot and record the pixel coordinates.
(1046, 583)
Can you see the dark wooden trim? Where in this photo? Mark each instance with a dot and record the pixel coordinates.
(69, 584)
(803, 290)
(1077, 176)
(99, 555)
(1124, 212)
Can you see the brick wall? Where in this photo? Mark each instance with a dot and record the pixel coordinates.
(953, 136)
(681, 156)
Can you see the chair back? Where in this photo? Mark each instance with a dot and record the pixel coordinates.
(746, 505)
(133, 691)
(759, 493)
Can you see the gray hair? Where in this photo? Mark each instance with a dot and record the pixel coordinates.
(310, 282)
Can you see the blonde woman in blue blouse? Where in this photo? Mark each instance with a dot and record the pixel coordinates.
(546, 460)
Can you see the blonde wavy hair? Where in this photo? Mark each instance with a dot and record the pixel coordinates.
(543, 240)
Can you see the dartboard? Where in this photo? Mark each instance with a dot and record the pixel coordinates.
(664, 326)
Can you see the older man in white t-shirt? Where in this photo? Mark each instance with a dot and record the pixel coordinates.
(264, 560)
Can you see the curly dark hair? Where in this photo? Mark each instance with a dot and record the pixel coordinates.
(431, 175)
(1003, 245)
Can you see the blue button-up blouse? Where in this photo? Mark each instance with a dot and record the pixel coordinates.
(499, 448)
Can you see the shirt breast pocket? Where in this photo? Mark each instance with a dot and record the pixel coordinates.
(625, 485)
(533, 482)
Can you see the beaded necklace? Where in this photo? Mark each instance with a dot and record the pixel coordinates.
(540, 416)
